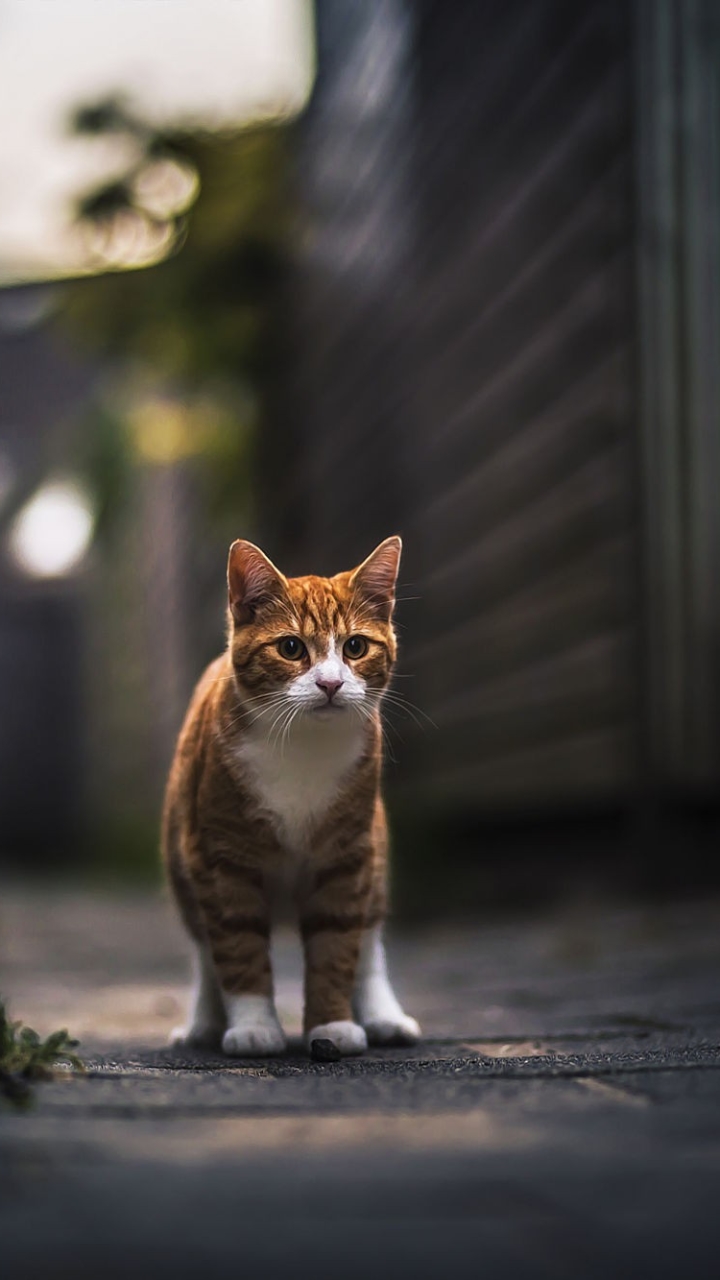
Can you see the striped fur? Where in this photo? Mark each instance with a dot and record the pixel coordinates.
(276, 784)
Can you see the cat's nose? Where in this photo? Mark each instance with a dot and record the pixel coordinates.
(329, 686)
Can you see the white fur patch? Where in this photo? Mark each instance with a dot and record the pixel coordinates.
(348, 1037)
(375, 1004)
(297, 780)
(206, 1018)
(254, 1029)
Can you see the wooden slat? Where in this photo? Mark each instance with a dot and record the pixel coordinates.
(579, 600)
(474, 387)
(589, 766)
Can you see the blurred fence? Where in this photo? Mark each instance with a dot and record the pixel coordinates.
(131, 398)
(503, 326)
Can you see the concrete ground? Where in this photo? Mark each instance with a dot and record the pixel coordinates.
(561, 1117)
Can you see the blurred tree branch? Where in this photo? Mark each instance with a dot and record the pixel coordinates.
(201, 319)
(204, 310)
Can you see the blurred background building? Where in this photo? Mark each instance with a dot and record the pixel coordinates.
(505, 342)
(469, 294)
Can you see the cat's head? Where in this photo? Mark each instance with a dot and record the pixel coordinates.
(322, 647)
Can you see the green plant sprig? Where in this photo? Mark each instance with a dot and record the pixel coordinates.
(25, 1056)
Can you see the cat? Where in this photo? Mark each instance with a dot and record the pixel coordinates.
(276, 782)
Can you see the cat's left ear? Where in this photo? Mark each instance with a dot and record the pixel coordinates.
(253, 581)
(375, 578)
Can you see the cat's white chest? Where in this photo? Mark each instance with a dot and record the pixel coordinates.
(299, 781)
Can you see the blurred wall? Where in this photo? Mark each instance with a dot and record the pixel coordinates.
(141, 392)
(43, 385)
(500, 333)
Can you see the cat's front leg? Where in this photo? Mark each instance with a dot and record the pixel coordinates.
(207, 1019)
(332, 919)
(237, 923)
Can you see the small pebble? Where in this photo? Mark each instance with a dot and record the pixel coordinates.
(324, 1051)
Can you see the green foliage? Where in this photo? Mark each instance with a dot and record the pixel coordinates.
(200, 325)
(205, 310)
(24, 1056)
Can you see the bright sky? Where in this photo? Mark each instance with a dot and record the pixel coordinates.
(217, 62)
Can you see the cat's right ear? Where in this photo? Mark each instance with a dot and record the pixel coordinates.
(374, 580)
(253, 581)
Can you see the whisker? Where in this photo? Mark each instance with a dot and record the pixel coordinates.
(294, 713)
(366, 714)
(423, 723)
(402, 703)
(286, 729)
(276, 726)
(267, 703)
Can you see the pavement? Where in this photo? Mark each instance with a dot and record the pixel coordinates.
(560, 1118)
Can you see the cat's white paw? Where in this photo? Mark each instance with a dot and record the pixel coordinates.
(348, 1037)
(253, 1028)
(398, 1030)
(197, 1036)
(254, 1040)
(375, 1004)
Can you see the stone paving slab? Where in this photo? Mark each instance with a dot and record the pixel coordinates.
(114, 968)
(561, 1118)
(383, 1083)
(542, 1178)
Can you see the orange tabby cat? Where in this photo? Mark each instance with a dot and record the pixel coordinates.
(276, 781)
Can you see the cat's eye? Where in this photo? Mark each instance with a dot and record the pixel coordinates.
(355, 647)
(291, 648)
